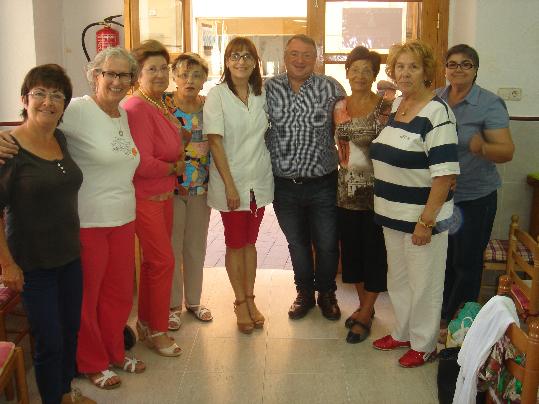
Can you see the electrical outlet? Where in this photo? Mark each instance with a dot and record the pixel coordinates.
(510, 94)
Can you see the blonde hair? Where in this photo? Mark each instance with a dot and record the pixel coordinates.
(419, 49)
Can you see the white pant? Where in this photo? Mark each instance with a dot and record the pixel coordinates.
(415, 282)
(189, 238)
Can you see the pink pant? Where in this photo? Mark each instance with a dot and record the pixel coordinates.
(107, 255)
(154, 230)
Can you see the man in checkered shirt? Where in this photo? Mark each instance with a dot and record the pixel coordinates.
(304, 158)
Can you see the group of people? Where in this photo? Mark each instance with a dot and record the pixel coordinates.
(81, 177)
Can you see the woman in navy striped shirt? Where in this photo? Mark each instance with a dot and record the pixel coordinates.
(415, 163)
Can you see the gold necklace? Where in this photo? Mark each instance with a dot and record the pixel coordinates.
(163, 108)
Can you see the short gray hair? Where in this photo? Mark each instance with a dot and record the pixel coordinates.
(95, 66)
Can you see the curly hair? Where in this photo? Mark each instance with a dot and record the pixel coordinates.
(149, 48)
(190, 59)
(95, 66)
(421, 50)
(362, 53)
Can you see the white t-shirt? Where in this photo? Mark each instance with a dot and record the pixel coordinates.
(105, 152)
(243, 129)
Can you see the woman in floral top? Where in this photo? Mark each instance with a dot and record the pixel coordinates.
(358, 120)
(191, 211)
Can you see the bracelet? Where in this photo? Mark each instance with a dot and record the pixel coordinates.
(422, 223)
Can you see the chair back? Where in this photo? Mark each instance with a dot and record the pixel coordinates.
(513, 284)
(528, 374)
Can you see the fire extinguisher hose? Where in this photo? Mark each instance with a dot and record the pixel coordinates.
(106, 21)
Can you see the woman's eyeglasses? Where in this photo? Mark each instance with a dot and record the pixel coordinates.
(123, 77)
(464, 65)
(55, 96)
(247, 57)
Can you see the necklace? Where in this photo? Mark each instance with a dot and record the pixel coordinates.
(120, 130)
(160, 106)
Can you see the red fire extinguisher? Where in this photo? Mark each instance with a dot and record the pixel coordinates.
(106, 37)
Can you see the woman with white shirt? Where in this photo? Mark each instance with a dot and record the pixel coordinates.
(241, 179)
(100, 141)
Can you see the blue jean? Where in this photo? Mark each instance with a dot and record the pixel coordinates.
(307, 214)
(52, 299)
(464, 266)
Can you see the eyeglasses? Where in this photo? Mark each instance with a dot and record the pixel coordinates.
(154, 70)
(464, 65)
(55, 96)
(247, 57)
(123, 77)
(192, 75)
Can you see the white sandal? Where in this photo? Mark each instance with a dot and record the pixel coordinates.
(170, 351)
(101, 381)
(174, 320)
(130, 365)
(200, 311)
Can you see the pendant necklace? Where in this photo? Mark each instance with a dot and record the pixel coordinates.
(120, 130)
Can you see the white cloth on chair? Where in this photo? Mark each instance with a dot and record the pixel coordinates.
(488, 327)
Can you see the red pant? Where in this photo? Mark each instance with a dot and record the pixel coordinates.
(154, 230)
(108, 261)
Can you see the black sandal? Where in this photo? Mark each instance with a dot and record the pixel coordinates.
(354, 338)
(350, 320)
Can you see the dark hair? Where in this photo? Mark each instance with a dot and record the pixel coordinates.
(237, 44)
(303, 38)
(465, 50)
(149, 48)
(421, 50)
(190, 59)
(50, 76)
(362, 53)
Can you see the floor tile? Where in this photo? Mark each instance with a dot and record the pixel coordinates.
(221, 387)
(305, 388)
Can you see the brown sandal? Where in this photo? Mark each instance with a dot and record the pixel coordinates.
(246, 328)
(256, 316)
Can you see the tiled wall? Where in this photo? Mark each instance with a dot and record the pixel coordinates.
(515, 195)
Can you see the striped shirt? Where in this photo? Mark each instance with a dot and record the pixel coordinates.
(300, 136)
(406, 156)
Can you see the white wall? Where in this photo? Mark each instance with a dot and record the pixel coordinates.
(506, 36)
(77, 14)
(18, 54)
(48, 32)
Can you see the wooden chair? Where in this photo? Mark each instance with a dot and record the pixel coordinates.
(528, 374)
(495, 258)
(9, 305)
(524, 292)
(12, 366)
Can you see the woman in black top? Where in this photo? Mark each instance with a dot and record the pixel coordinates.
(39, 242)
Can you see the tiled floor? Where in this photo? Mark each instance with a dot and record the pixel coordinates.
(304, 361)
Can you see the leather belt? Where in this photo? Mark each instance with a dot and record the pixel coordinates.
(307, 180)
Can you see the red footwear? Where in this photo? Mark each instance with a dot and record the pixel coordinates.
(412, 359)
(387, 343)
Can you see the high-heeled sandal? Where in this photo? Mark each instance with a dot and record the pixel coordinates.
(170, 351)
(246, 328)
(257, 317)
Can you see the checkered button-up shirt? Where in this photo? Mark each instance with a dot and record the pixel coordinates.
(300, 136)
